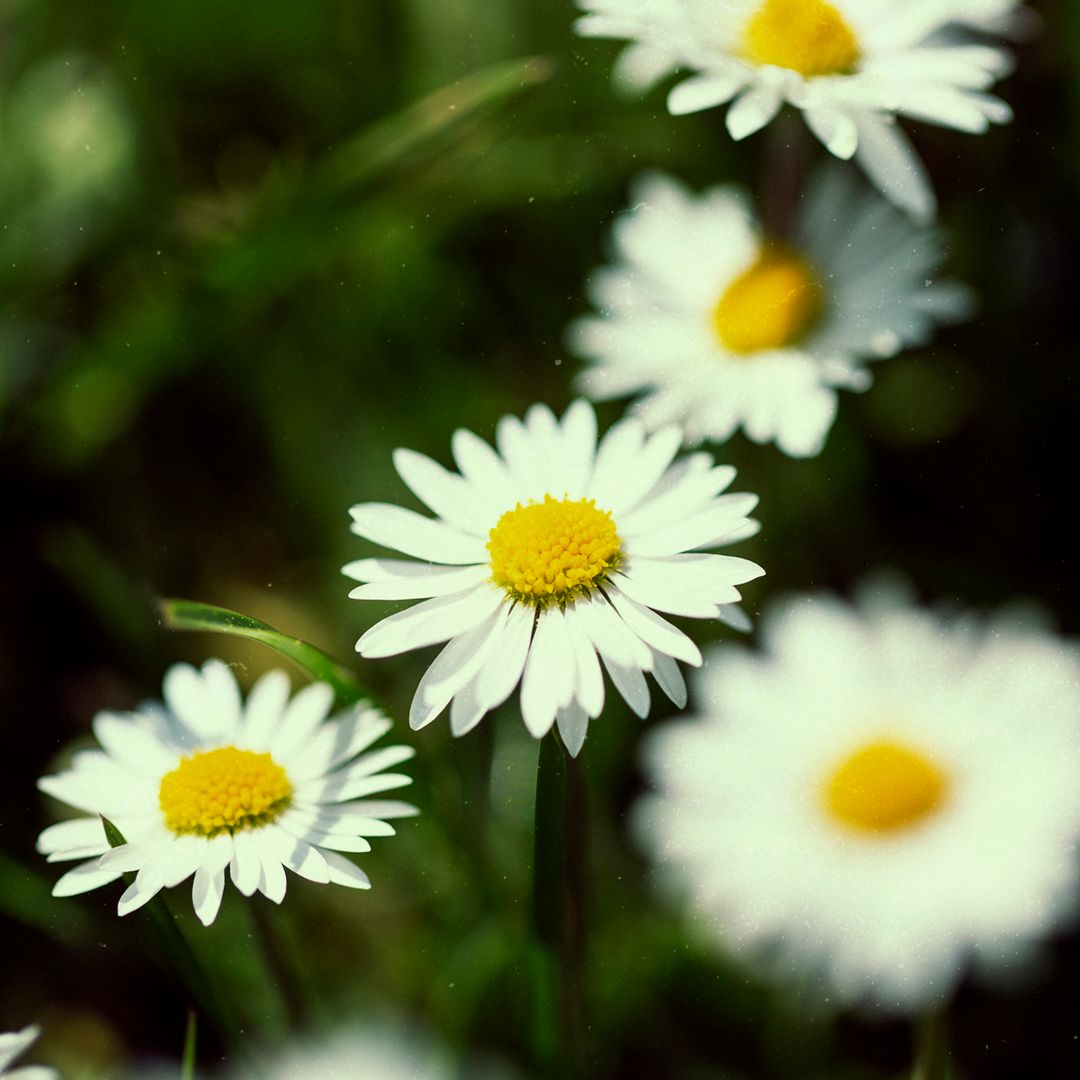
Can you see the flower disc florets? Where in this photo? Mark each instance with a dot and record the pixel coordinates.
(554, 550)
(223, 790)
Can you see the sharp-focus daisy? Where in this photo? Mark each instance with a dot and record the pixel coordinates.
(881, 797)
(851, 66)
(548, 557)
(722, 326)
(207, 782)
(12, 1044)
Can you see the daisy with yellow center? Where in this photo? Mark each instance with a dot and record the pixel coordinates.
(547, 563)
(850, 66)
(209, 784)
(720, 327)
(879, 799)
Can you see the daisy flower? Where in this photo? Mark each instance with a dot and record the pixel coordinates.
(12, 1044)
(851, 66)
(879, 798)
(549, 557)
(207, 782)
(721, 326)
(389, 1051)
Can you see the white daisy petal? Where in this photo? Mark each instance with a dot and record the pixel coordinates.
(456, 665)
(420, 587)
(573, 725)
(630, 683)
(265, 706)
(345, 872)
(752, 111)
(669, 678)
(548, 683)
(497, 679)
(589, 692)
(244, 866)
(413, 534)
(83, 878)
(246, 802)
(655, 631)
(73, 839)
(429, 622)
(14, 1043)
(447, 494)
(208, 885)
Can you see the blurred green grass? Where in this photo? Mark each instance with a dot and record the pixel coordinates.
(248, 249)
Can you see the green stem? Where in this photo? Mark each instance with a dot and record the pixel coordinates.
(931, 1047)
(558, 911)
(187, 1064)
(278, 956)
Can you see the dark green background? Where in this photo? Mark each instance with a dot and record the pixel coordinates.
(238, 266)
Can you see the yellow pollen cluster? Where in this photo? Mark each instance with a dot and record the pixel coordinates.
(807, 36)
(885, 787)
(769, 306)
(552, 550)
(223, 790)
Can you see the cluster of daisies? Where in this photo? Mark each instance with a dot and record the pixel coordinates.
(879, 798)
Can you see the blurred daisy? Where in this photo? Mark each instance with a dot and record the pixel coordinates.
(878, 799)
(208, 782)
(722, 327)
(12, 1044)
(548, 557)
(851, 66)
(387, 1051)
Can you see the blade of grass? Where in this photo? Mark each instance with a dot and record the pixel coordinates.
(425, 126)
(192, 615)
(187, 1064)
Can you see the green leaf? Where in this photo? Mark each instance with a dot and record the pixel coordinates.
(192, 615)
(426, 126)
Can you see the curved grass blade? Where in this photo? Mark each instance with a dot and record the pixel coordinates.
(192, 615)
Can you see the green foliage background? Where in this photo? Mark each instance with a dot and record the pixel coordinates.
(247, 249)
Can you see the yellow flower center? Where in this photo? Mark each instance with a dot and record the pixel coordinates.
(223, 790)
(769, 306)
(885, 787)
(552, 550)
(807, 36)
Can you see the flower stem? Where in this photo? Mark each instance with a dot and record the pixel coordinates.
(187, 1064)
(931, 1047)
(558, 911)
(277, 955)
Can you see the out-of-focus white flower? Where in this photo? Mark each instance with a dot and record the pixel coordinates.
(721, 327)
(877, 799)
(851, 66)
(12, 1044)
(367, 1053)
(546, 558)
(209, 783)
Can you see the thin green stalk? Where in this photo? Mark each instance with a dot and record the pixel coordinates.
(187, 1063)
(932, 1047)
(547, 906)
(277, 957)
(558, 903)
